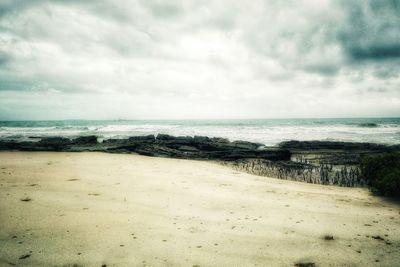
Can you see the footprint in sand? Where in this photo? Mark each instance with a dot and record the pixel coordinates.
(305, 264)
(377, 237)
(24, 256)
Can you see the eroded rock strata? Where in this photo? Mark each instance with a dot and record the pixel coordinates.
(319, 162)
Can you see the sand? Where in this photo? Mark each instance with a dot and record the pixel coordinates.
(97, 209)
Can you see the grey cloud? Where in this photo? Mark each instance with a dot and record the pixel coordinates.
(38, 84)
(378, 52)
(327, 70)
(164, 9)
(387, 71)
(377, 89)
(326, 39)
(4, 59)
(304, 40)
(15, 6)
(7, 84)
(371, 30)
(8, 6)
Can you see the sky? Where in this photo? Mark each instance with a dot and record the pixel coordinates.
(204, 59)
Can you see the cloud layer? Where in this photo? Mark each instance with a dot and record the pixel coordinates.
(153, 59)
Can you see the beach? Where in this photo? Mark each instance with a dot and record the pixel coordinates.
(98, 209)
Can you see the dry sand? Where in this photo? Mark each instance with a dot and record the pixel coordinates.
(95, 209)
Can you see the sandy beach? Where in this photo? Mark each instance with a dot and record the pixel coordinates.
(97, 209)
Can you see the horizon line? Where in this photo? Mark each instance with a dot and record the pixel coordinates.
(198, 119)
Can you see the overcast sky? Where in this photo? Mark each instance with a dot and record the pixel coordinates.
(183, 59)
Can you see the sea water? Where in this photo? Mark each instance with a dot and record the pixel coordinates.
(265, 131)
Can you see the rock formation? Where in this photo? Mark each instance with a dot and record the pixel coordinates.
(320, 162)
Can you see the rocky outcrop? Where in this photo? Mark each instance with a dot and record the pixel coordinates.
(91, 139)
(320, 162)
(52, 143)
(333, 145)
(162, 145)
(198, 147)
(327, 174)
(326, 162)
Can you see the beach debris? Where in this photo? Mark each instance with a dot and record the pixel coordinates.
(26, 199)
(377, 237)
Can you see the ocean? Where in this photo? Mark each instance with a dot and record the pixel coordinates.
(266, 131)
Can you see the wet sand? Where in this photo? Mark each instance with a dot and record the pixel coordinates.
(96, 209)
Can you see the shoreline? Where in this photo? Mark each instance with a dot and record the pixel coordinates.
(91, 209)
(318, 162)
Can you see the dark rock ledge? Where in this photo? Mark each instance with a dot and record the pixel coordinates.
(319, 162)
